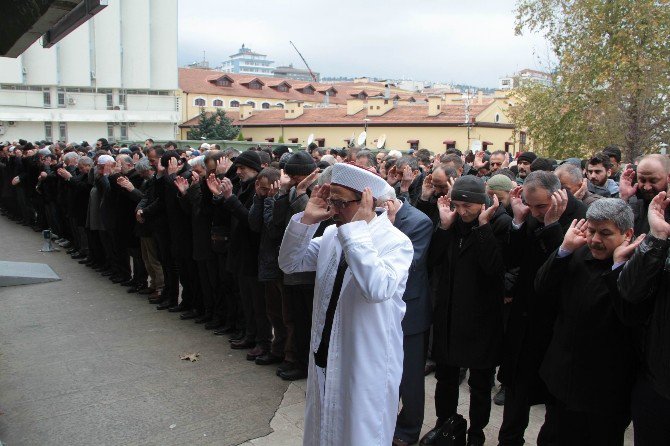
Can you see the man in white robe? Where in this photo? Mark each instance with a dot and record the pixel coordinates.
(356, 342)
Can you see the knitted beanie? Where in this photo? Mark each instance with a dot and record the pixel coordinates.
(470, 189)
(300, 163)
(526, 156)
(500, 182)
(250, 159)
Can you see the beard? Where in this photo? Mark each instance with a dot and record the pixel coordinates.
(646, 196)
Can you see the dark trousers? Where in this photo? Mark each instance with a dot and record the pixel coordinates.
(590, 428)
(227, 306)
(190, 283)
(515, 419)
(446, 396)
(208, 270)
(651, 415)
(273, 309)
(96, 251)
(251, 292)
(170, 271)
(299, 299)
(412, 388)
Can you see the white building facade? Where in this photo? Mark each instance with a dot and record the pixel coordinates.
(246, 61)
(114, 77)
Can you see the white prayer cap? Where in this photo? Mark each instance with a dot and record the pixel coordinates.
(357, 179)
(105, 159)
(389, 193)
(205, 146)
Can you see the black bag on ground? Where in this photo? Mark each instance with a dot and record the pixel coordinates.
(452, 432)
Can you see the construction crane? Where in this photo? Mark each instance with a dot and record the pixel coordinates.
(303, 59)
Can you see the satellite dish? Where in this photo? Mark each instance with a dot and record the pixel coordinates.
(381, 141)
(310, 139)
(361, 138)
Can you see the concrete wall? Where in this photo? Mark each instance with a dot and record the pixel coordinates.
(74, 58)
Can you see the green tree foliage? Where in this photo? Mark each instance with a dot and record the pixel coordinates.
(611, 84)
(216, 126)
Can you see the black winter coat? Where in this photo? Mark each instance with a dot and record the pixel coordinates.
(78, 195)
(201, 221)
(244, 243)
(260, 221)
(591, 351)
(468, 317)
(531, 318)
(179, 222)
(645, 282)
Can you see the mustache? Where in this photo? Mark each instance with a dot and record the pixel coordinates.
(597, 246)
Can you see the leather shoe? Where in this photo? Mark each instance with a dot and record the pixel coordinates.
(107, 273)
(147, 291)
(118, 279)
(242, 344)
(79, 256)
(133, 289)
(178, 308)
(255, 352)
(128, 283)
(213, 324)
(237, 336)
(285, 367)
(165, 305)
(189, 315)
(203, 319)
(431, 435)
(268, 359)
(429, 368)
(86, 261)
(398, 442)
(71, 251)
(499, 398)
(293, 374)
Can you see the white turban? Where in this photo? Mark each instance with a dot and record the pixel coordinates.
(105, 159)
(357, 179)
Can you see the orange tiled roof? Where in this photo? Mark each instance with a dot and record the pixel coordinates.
(400, 115)
(198, 81)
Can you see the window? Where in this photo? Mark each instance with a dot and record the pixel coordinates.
(265, 105)
(124, 131)
(361, 96)
(321, 142)
(282, 88)
(47, 99)
(255, 85)
(522, 140)
(308, 90)
(497, 117)
(62, 131)
(223, 82)
(234, 104)
(122, 100)
(279, 104)
(61, 99)
(110, 131)
(200, 102)
(413, 144)
(252, 103)
(110, 101)
(218, 103)
(48, 131)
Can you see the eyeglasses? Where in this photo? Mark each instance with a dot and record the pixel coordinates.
(340, 204)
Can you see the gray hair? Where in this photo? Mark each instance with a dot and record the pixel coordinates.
(44, 152)
(407, 160)
(70, 156)
(388, 194)
(143, 165)
(572, 171)
(125, 159)
(326, 176)
(85, 161)
(543, 180)
(612, 209)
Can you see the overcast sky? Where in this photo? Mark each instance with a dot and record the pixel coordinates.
(455, 41)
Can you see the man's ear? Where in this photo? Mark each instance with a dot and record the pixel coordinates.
(629, 234)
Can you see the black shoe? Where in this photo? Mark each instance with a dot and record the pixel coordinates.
(71, 251)
(221, 332)
(189, 315)
(285, 367)
(106, 272)
(133, 289)
(477, 441)
(128, 283)
(79, 256)
(431, 435)
(213, 324)
(268, 359)
(118, 279)
(242, 344)
(499, 398)
(203, 319)
(165, 305)
(293, 374)
(237, 336)
(179, 308)
(86, 261)
(145, 290)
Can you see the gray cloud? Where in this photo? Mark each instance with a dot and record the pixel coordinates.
(448, 40)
